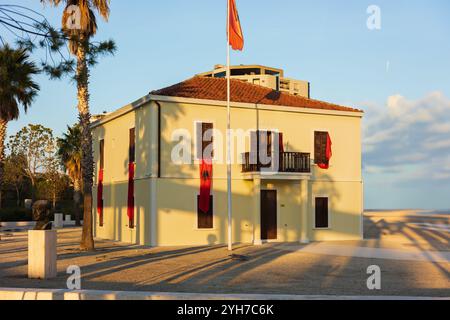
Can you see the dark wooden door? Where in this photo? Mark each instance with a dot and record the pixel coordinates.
(269, 215)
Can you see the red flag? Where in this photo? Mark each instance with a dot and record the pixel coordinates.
(100, 196)
(130, 211)
(206, 169)
(328, 153)
(236, 36)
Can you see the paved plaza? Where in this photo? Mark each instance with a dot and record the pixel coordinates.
(411, 248)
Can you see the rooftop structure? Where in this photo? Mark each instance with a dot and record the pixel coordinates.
(269, 77)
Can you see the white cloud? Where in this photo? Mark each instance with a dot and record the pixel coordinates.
(439, 128)
(409, 133)
(437, 144)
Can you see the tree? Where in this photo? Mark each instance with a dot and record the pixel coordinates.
(69, 152)
(52, 186)
(31, 31)
(79, 44)
(53, 177)
(13, 175)
(17, 88)
(37, 145)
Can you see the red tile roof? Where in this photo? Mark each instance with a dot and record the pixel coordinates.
(208, 88)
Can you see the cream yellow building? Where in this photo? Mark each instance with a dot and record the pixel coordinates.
(295, 201)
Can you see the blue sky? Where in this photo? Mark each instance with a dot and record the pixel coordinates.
(397, 74)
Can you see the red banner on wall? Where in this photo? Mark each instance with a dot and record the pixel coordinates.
(329, 154)
(100, 196)
(130, 211)
(206, 173)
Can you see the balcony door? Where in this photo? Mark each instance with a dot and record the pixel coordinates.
(269, 223)
(260, 140)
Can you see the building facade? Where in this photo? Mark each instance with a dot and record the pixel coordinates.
(289, 199)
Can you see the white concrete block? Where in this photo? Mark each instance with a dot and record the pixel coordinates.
(59, 222)
(68, 218)
(28, 203)
(42, 254)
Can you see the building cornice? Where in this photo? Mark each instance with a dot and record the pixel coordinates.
(216, 103)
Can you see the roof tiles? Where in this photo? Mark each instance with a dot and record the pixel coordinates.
(207, 88)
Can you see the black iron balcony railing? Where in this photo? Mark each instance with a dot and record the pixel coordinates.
(293, 162)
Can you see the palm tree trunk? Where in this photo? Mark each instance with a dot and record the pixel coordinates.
(76, 201)
(3, 126)
(87, 161)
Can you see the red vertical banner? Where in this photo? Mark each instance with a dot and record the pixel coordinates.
(130, 207)
(206, 173)
(131, 176)
(329, 151)
(328, 154)
(100, 197)
(100, 182)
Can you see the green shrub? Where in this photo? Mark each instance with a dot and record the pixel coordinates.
(15, 215)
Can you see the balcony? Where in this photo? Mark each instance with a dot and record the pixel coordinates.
(290, 162)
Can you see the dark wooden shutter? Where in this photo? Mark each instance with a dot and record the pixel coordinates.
(199, 140)
(132, 148)
(320, 147)
(254, 147)
(322, 213)
(265, 140)
(205, 144)
(102, 154)
(201, 129)
(205, 220)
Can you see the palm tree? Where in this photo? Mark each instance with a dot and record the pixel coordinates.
(79, 36)
(69, 152)
(17, 88)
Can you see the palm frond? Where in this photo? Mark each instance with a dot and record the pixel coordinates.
(17, 87)
(69, 152)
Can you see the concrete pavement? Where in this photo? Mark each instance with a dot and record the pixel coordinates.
(370, 253)
(413, 261)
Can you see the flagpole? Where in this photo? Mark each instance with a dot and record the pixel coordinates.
(230, 221)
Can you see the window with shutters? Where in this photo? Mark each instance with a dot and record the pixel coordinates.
(320, 147)
(205, 141)
(265, 140)
(132, 146)
(322, 213)
(205, 220)
(102, 154)
(261, 148)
